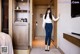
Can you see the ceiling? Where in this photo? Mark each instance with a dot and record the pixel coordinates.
(41, 2)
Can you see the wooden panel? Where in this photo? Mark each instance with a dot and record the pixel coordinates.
(55, 24)
(72, 39)
(10, 17)
(0, 15)
(20, 37)
(42, 2)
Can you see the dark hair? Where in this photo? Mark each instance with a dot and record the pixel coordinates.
(50, 14)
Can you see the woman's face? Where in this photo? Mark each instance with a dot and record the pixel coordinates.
(48, 11)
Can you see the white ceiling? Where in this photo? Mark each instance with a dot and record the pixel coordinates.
(42, 2)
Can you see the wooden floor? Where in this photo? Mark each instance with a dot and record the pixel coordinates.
(40, 42)
(38, 47)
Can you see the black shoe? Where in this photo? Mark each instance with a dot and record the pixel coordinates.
(46, 50)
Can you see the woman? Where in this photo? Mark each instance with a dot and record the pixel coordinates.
(47, 24)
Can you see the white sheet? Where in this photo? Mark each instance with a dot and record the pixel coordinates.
(6, 40)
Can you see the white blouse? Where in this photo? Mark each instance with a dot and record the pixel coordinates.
(48, 20)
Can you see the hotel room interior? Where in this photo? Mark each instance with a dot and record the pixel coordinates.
(21, 29)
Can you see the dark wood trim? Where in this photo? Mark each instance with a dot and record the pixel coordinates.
(72, 39)
(0, 14)
(55, 23)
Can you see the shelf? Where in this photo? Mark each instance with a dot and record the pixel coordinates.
(72, 39)
(21, 10)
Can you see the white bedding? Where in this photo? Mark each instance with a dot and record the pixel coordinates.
(5, 40)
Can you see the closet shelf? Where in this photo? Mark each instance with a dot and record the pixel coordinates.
(21, 10)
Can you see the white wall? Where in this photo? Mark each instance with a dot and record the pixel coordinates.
(39, 29)
(66, 24)
(39, 10)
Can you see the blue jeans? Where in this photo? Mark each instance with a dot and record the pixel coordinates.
(48, 29)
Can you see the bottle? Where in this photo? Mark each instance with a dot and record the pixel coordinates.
(17, 7)
(22, 19)
(25, 19)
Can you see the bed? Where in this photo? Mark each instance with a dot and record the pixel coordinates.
(5, 44)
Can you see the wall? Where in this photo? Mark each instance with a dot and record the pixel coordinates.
(37, 11)
(39, 30)
(66, 24)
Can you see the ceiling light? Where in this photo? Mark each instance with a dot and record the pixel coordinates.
(21, 0)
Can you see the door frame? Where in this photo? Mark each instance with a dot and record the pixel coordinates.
(55, 23)
(31, 14)
(10, 16)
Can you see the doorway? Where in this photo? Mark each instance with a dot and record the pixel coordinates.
(38, 33)
(4, 16)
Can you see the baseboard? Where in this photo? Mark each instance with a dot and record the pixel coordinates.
(60, 50)
(21, 51)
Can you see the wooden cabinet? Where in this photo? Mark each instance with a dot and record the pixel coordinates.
(72, 38)
(20, 24)
(20, 39)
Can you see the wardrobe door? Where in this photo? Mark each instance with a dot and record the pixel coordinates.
(4, 18)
